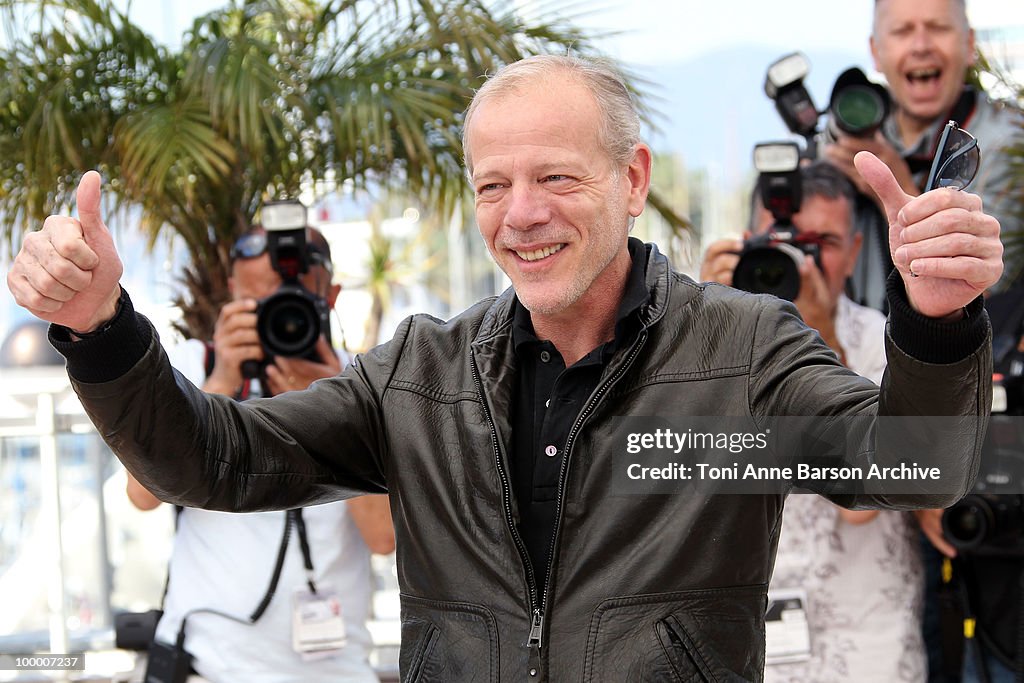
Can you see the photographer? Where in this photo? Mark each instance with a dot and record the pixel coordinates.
(224, 562)
(925, 48)
(825, 213)
(977, 606)
(855, 575)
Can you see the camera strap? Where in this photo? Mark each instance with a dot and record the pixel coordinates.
(961, 112)
(292, 517)
(956, 623)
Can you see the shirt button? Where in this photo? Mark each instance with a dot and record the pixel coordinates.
(550, 451)
(533, 672)
(547, 403)
(545, 356)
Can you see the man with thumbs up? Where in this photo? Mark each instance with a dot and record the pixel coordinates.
(494, 432)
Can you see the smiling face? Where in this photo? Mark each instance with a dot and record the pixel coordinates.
(924, 48)
(552, 207)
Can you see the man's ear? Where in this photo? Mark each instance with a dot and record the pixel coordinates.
(332, 295)
(639, 175)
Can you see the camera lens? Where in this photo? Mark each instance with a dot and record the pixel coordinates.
(288, 323)
(856, 106)
(968, 523)
(772, 270)
(858, 110)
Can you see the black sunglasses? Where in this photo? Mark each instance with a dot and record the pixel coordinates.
(956, 159)
(254, 244)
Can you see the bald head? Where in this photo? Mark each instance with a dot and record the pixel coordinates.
(958, 11)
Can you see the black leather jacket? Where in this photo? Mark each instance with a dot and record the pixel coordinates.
(641, 588)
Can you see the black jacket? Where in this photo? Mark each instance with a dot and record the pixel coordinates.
(641, 588)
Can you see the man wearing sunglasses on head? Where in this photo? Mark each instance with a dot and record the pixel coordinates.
(237, 619)
(924, 49)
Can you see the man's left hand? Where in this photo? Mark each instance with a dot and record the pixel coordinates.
(294, 374)
(946, 249)
(817, 306)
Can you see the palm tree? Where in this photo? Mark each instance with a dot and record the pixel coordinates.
(264, 97)
(1012, 235)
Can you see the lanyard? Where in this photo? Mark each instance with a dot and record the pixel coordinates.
(292, 517)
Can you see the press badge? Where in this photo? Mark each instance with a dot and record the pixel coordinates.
(318, 629)
(787, 636)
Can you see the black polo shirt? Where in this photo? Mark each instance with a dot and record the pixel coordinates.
(549, 397)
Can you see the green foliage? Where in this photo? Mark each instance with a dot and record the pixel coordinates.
(262, 98)
(1012, 235)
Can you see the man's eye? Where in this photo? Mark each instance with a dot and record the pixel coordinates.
(489, 187)
(555, 177)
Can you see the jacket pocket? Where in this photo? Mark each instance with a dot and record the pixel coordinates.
(425, 635)
(445, 642)
(684, 658)
(699, 636)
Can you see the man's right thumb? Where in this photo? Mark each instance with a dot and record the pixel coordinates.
(88, 200)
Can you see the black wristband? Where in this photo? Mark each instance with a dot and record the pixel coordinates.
(931, 340)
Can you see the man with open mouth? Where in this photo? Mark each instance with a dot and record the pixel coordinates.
(924, 49)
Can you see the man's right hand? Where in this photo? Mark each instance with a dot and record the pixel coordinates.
(720, 261)
(931, 526)
(841, 153)
(235, 340)
(68, 272)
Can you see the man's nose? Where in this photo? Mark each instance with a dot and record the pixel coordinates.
(921, 40)
(528, 207)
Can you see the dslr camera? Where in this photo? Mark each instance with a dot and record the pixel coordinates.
(290, 320)
(856, 106)
(989, 521)
(770, 262)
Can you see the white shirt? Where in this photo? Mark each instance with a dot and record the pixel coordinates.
(864, 582)
(224, 561)
(861, 332)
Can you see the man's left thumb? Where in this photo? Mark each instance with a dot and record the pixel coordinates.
(878, 176)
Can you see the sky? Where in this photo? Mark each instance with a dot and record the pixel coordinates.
(652, 32)
(663, 31)
(667, 42)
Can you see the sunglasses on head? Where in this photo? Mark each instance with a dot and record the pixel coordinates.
(956, 159)
(254, 244)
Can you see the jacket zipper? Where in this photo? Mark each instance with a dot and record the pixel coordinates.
(535, 639)
(569, 441)
(531, 580)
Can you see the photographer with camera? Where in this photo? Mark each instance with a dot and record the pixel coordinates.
(975, 549)
(855, 576)
(227, 568)
(924, 48)
(803, 247)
